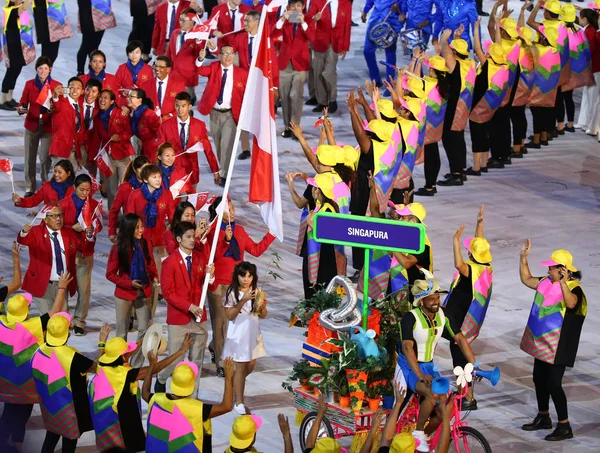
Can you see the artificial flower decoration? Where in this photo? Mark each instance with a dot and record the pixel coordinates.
(463, 376)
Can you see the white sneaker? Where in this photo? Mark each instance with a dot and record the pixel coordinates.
(241, 410)
(421, 440)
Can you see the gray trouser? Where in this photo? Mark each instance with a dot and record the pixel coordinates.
(311, 77)
(112, 183)
(123, 314)
(222, 129)
(56, 159)
(291, 89)
(83, 271)
(324, 65)
(44, 303)
(218, 321)
(199, 332)
(37, 143)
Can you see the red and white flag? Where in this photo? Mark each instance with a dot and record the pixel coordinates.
(6, 166)
(180, 186)
(258, 118)
(195, 148)
(199, 32)
(45, 96)
(41, 215)
(97, 222)
(103, 163)
(86, 215)
(95, 183)
(201, 200)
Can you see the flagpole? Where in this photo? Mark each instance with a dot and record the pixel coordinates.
(12, 179)
(246, 102)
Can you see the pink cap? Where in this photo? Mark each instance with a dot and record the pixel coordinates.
(549, 263)
(192, 365)
(312, 182)
(27, 296)
(467, 243)
(257, 421)
(65, 314)
(131, 346)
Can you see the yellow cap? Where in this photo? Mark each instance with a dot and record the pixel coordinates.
(461, 46)
(561, 257)
(567, 13)
(526, 34)
(17, 308)
(327, 445)
(438, 63)
(115, 348)
(58, 329)
(414, 106)
(416, 209)
(550, 33)
(386, 108)
(403, 443)
(479, 248)
(184, 377)
(383, 129)
(553, 6)
(244, 430)
(497, 53)
(326, 182)
(331, 155)
(509, 25)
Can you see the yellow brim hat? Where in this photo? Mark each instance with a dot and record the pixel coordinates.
(115, 348)
(509, 25)
(403, 443)
(526, 34)
(415, 86)
(496, 52)
(568, 14)
(553, 6)
(386, 108)
(460, 45)
(550, 33)
(382, 129)
(438, 63)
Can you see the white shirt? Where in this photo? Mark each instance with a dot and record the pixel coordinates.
(184, 255)
(239, 17)
(164, 89)
(230, 302)
(171, 16)
(254, 49)
(227, 92)
(186, 128)
(53, 273)
(334, 9)
(85, 106)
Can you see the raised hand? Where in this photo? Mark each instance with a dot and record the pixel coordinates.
(296, 130)
(459, 233)
(284, 424)
(480, 214)
(228, 367)
(526, 248)
(104, 331)
(64, 279)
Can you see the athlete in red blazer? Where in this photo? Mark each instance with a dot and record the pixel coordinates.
(148, 133)
(171, 244)
(118, 124)
(125, 81)
(45, 194)
(213, 87)
(65, 135)
(174, 85)
(185, 59)
(239, 42)
(325, 35)
(294, 48)
(122, 280)
(165, 206)
(40, 246)
(70, 211)
(29, 101)
(225, 24)
(109, 82)
(159, 34)
(90, 139)
(122, 196)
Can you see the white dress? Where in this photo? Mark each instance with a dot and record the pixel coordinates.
(244, 341)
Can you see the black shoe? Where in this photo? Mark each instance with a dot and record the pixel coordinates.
(472, 172)
(483, 13)
(312, 101)
(463, 176)
(452, 180)
(222, 181)
(495, 163)
(483, 170)
(506, 161)
(354, 24)
(13, 103)
(244, 155)
(554, 133)
(469, 405)
(560, 131)
(533, 145)
(131, 329)
(78, 331)
(516, 155)
(159, 387)
(6, 106)
(545, 142)
(212, 354)
(27, 194)
(541, 421)
(524, 149)
(426, 192)
(561, 432)
(333, 107)
(319, 108)
(286, 134)
(220, 372)
(355, 277)
(569, 129)
(104, 194)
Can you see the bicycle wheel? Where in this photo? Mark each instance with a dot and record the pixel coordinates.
(470, 441)
(325, 430)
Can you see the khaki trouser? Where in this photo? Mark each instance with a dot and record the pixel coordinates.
(291, 89)
(311, 77)
(37, 143)
(123, 314)
(91, 167)
(222, 129)
(324, 65)
(199, 332)
(83, 272)
(218, 321)
(112, 183)
(159, 254)
(137, 145)
(44, 303)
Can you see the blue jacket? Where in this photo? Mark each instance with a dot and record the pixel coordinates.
(456, 12)
(381, 8)
(416, 11)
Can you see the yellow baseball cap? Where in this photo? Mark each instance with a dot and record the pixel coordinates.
(567, 13)
(57, 333)
(244, 431)
(403, 443)
(460, 45)
(115, 348)
(386, 108)
(479, 248)
(326, 182)
(553, 6)
(184, 377)
(526, 34)
(561, 257)
(497, 53)
(17, 308)
(509, 25)
(438, 63)
(327, 445)
(413, 105)
(416, 209)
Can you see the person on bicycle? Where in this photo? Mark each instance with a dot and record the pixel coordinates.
(421, 329)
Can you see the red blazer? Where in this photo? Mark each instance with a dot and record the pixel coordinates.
(224, 24)
(339, 36)
(213, 87)
(29, 99)
(121, 197)
(179, 290)
(125, 80)
(178, 173)
(65, 135)
(122, 280)
(159, 40)
(294, 49)
(174, 85)
(239, 42)
(118, 124)
(592, 36)
(108, 83)
(166, 207)
(169, 132)
(148, 134)
(40, 257)
(185, 58)
(171, 244)
(45, 194)
(70, 211)
(224, 264)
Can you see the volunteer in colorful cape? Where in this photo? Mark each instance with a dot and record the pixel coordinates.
(144, 123)
(552, 335)
(459, 14)
(437, 90)
(114, 130)
(131, 268)
(470, 293)
(171, 173)
(20, 336)
(133, 72)
(38, 124)
(545, 85)
(461, 75)
(232, 245)
(132, 180)
(491, 85)
(84, 261)
(18, 48)
(177, 421)
(588, 19)
(60, 376)
(185, 212)
(114, 395)
(243, 435)
(421, 330)
(51, 28)
(95, 16)
(59, 187)
(97, 71)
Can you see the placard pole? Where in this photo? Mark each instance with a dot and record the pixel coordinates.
(366, 288)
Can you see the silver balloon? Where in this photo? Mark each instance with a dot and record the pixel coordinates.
(346, 315)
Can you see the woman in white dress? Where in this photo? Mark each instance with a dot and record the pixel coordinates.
(244, 341)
